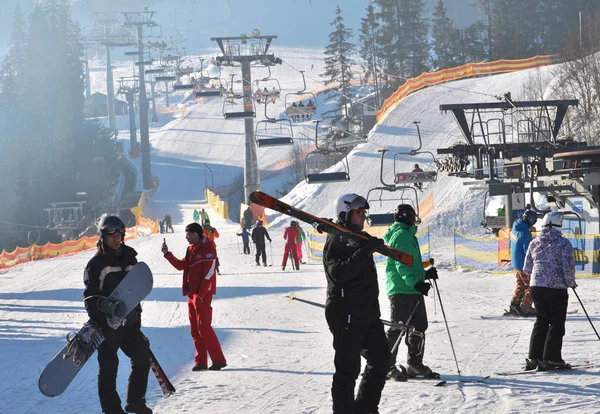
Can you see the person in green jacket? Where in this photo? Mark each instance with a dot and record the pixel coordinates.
(196, 216)
(405, 288)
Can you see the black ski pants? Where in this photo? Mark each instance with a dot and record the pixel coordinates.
(549, 328)
(350, 341)
(246, 247)
(401, 306)
(131, 341)
(261, 250)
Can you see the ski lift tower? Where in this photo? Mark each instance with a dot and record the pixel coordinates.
(139, 20)
(245, 50)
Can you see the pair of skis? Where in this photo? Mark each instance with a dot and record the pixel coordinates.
(325, 225)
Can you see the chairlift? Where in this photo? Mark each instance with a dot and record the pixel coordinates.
(33, 236)
(321, 159)
(296, 111)
(388, 218)
(266, 93)
(415, 176)
(231, 100)
(275, 132)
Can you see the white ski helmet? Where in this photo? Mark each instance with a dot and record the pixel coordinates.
(347, 202)
(552, 219)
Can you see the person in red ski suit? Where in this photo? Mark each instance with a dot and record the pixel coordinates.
(199, 285)
(290, 235)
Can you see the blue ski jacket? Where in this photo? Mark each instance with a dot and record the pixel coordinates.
(520, 237)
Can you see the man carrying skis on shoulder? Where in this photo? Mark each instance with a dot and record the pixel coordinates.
(406, 287)
(352, 311)
(102, 275)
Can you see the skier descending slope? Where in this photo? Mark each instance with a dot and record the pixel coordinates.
(352, 311)
(102, 275)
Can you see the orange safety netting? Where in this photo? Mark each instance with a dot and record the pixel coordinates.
(34, 252)
(464, 71)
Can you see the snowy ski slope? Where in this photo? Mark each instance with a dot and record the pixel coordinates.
(279, 354)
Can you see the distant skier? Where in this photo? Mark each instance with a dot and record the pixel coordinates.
(103, 273)
(161, 225)
(258, 237)
(168, 224)
(248, 218)
(211, 233)
(300, 242)
(418, 169)
(245, 239)
(196, 216)
(290, 235)
(520, 238)
(551, 264)
(199, 285)
(204, 216)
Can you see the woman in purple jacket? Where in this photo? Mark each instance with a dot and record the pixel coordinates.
(550, 263)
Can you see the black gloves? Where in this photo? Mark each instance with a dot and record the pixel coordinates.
(372, 244)
(422, 287)
(431, 273)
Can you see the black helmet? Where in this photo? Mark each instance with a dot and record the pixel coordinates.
(416, 165)
(405, 213)
(111, 225)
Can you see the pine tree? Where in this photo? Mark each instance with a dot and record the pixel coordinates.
(10, 146)
(414, 31)
(445, 39)
(338, 67)
(369, 31)
(473, 43)
(389, 44)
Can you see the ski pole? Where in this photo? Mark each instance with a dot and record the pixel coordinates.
(406, 327)
(446, 322)
(586, 314)
(292, 297)
(271, 249)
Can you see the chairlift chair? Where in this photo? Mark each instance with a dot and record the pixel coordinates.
(321, 159)
(387, 219)
(231, 98)
(275, 132)
(294, 112)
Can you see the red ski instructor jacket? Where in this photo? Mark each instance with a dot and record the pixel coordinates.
(199, 268)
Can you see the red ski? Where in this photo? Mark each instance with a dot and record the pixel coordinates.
(327, 226)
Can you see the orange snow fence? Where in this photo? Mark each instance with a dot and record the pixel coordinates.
(470, 69)
(34, 252)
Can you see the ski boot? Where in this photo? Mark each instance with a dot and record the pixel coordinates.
(526, 312)
(531, 364)
(421, 370)
(396, 374)
(553, 366)
(513, 310)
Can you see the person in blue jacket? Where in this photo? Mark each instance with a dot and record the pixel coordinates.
(246, 239)
(520, 237)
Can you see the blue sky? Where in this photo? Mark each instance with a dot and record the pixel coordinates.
(296, 22)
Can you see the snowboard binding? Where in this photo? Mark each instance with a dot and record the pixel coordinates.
(83, 344)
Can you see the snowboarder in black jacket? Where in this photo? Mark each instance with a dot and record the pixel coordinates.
(102, 275)
(352, 312)
(258, 237)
